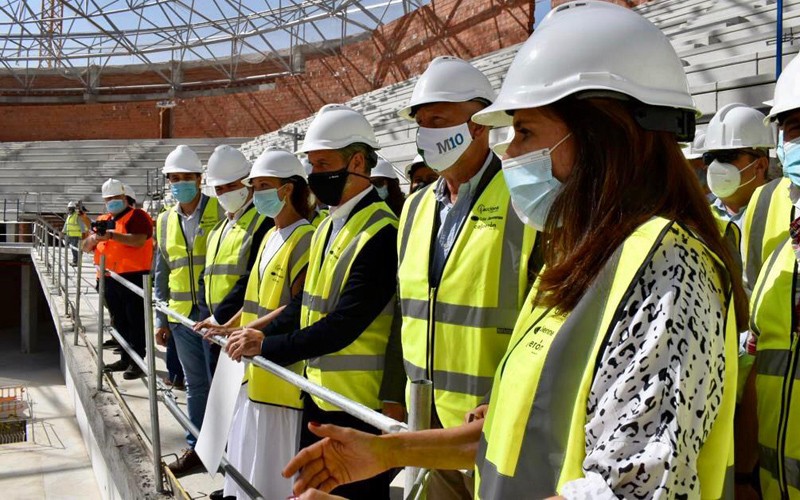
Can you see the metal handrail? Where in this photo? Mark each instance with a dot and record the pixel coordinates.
(421, 391)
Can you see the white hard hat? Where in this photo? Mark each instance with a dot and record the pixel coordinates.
(112, 187)
(71, 204)
(129, 191)
(416, 161)
(276, 162)
(384, 168)
(449, 79)
(694, 149)
(226, 165)
(182, 160)
(337, 126)
(787, 90)
(591, 46)
(737, 126)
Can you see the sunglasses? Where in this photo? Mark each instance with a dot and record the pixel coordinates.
(724, 156)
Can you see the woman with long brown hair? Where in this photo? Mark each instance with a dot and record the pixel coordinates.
(620, 376)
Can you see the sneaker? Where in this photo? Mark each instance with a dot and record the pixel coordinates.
(132, 372)
(112, 342)
(186, 463)
(117, 366)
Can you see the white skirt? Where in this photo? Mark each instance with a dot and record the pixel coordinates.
(262, 440)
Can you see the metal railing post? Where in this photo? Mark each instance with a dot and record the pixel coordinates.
(66, 278)
(53, 270)
(419, 418)
(151, 378)
(101, 289)
(76, 317)
(45, 250)
(57, 274)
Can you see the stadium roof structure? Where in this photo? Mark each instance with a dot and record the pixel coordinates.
(113, 50)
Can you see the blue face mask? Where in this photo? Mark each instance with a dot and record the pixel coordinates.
(789, 154)
(383, 191)
(267, 202)
(532, 186)
(115, 206)
(184, 191)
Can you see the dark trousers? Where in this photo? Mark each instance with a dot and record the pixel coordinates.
(127, 312)
(376, 488)
(174, 368)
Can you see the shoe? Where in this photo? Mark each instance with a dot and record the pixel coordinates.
(179, 385)
(108, 344)
(219, 495)
(117, 366)
(132, 372)
(187, 462)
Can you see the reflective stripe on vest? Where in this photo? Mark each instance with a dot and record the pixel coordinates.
(226, 258)
(266, 293)
(455, 333)
(778, 373)
(766, 221)
(185, 266)
(122, 258)
(547, 376)
(72, 227)
(356, 371)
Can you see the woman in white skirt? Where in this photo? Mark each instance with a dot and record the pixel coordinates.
(265, 431)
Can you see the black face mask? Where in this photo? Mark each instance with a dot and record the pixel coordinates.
(328, 186)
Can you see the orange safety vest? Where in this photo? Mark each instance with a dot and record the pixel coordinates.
(122, 258)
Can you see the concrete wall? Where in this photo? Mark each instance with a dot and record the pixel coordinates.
(395, 52)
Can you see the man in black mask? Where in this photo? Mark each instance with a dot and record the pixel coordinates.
(342, 320)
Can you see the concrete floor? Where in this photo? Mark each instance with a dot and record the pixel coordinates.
(53, 464)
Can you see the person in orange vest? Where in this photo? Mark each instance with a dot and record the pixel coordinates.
(125, 236)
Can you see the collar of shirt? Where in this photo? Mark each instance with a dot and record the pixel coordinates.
(725, 212)
(794, 195)
(343, 211)
(442, 193)
(197, 210)
(238, 214)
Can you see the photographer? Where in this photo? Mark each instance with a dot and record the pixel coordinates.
(125, 236)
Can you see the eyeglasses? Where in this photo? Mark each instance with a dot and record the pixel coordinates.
(724, 156)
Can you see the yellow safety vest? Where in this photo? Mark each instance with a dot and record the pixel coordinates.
(773, 320)
(456, 332)
(534, 438)
(226, 258)
(319, 217)
(267, 292)
(185, 266)
(766, 221)
(356, 371)
(72, 226)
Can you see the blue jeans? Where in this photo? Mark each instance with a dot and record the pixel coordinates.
(198, 362)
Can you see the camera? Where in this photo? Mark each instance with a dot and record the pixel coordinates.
(102, 226)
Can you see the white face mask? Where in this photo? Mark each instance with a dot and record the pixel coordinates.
(724, 179)
(232, 201)
(442, 147)
(533, 188)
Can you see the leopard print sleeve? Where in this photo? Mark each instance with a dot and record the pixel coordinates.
(659, 384)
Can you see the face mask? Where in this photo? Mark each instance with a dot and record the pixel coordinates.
(328, 186)
(442, 147)
(791, 160)
(267, 202)
(184, 191)
(115, 206)
(383, 191)
(232, 201)
(532, 186)
(724, 179)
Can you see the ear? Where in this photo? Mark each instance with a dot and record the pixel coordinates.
(477, 131)
(287, 189)
(359, 164)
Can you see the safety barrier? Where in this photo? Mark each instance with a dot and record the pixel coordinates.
(53, 248)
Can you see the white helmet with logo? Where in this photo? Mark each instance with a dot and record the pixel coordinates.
(337, 126)
(597, 48)
(182, 160)
(226, 165)
(113, 187)
(276, 162)
(448, 79)
(737, 126)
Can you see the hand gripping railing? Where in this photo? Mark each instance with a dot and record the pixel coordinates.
(421, 394)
